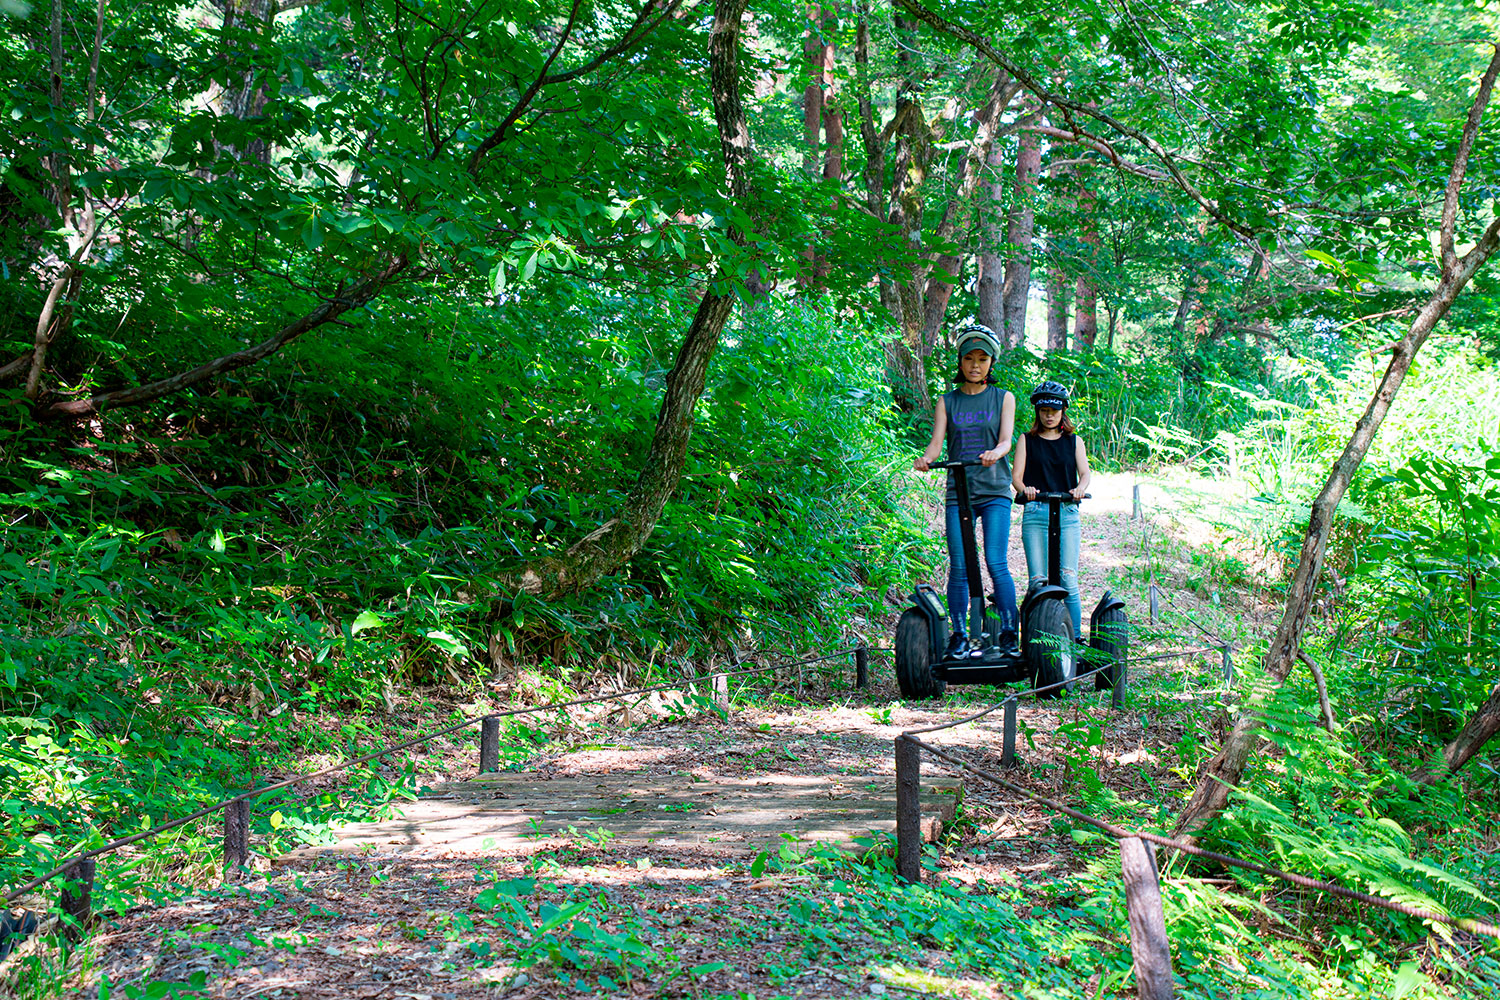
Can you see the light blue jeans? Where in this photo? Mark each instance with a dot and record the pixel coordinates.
(1034, 541)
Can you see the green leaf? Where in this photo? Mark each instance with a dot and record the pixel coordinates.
(366, 620)
(448, 643)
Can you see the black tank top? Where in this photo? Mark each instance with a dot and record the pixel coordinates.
(1051, 466)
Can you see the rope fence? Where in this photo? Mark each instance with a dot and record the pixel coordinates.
(79, 868)
(1148, 937)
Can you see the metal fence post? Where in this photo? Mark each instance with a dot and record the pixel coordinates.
(1155, 607)
(1228, 663)
(236, 836)
(1148, 923)
(908, 810)
(1008, 755)
(1136, 514)
(489, 744)
(77, 897)
(861, 667)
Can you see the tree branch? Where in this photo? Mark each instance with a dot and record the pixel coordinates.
(638, 30)
(330, 310)
(1071, 106)
(1461, 163)
(498, 135)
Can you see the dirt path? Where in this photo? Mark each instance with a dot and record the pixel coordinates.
(710, 923)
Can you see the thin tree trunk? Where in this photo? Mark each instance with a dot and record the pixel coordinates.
(874, 141)
(1019, 229)
(940, 281)
(990, 283)
(1224, 771)
(812, 91)
(1085, 319)
(1186, 303)
(1057, 309)
(616, 543)
(910, 169)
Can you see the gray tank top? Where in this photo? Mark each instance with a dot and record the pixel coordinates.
(974, 427)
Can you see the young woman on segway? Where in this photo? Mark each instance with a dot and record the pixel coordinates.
(975, 421)
(1051, 458)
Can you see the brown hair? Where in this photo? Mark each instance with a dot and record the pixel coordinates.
(1066, 425)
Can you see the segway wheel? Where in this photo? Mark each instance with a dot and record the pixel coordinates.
(914, 656)
(1049, 648)
(1109, 640)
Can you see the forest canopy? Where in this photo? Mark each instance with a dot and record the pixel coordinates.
(351, 349)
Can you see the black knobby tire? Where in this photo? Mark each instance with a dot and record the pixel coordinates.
(1049, 647)
(914, 656)
(1110, 642)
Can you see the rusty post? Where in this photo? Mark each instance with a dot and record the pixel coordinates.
(861, 667)
(1008, 755)
(77, 900)
(236, 836)
(908, 810)
(1117, 692)
(489, 745)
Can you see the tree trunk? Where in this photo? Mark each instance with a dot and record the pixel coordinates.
(1478, 730)
(1223, 772)
(990, 284)
(874, 141)
(940, 281)
(1057, 309)
(1085, 320)
(1019, 230)
(812, 92)
(247, 98)
(1185, 305)
(616, 543)
(912, 152)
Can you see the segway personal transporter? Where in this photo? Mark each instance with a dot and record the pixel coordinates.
(1045, 657)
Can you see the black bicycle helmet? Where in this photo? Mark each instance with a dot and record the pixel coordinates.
(1053, 395)
(977, 335)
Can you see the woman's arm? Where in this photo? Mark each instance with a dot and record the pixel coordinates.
(1084, 472)
(1007, 425)
(935, 446)
(1018, 471)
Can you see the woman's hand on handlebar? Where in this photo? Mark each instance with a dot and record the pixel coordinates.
(1029, 492)
(989, 458)
(1079, 492)
(922, 464)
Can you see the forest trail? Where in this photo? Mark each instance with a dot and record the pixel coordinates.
(385, 922)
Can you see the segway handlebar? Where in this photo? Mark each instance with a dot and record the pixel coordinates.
(1060, 497)
(954, 465)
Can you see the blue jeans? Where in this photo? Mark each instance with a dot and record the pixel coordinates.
(994, 518)
(1034, 541)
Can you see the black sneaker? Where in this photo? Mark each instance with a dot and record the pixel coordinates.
(957, 643)
(1010, 643)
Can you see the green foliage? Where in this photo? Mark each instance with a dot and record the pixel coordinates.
(330, 543)
(1432, 571)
